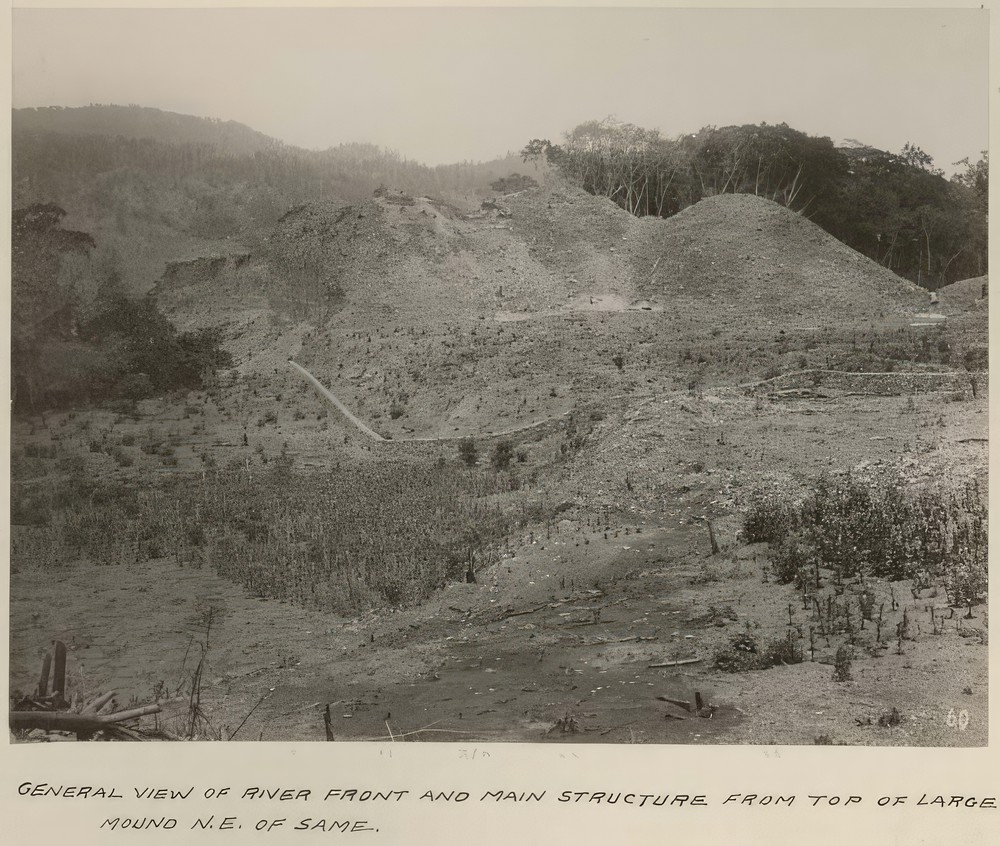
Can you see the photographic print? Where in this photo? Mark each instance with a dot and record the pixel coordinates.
(557, 376)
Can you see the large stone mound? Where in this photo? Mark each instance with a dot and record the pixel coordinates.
(759, 258)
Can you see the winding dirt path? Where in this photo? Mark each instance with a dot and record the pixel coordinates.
(343, 409)
(326, 393)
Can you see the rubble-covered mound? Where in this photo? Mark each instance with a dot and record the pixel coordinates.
(750, 255)
(429, 319)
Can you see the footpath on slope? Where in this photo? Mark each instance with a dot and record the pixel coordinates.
(327, 394)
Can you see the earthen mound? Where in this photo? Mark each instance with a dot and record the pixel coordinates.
(753, 255)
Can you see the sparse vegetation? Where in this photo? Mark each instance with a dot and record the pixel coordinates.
(743, 653)
(873, 527)
(576, 463)
(346, 541)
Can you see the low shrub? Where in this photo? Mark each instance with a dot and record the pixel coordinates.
(743, 653)
(766, 520)
(740, 655)
(791, 559)
(842, 664)
(468, 452)
(783, 650)
(502, 455)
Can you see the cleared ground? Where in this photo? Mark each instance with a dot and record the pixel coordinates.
(452, 323)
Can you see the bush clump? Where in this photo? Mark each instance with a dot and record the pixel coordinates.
(743, 653)
(791, 559)
(468, 452)
(842, 664)
(875, 527)
(503, 454)
(767, 520)
(740, 655)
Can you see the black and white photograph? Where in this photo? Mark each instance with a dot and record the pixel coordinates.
(552, 376)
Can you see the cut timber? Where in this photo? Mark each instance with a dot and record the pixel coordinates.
(93, 707)
(674, 663)
(526, 611)
(68, 721)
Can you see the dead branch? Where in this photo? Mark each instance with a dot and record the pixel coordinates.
(674, 663)
(68, 721)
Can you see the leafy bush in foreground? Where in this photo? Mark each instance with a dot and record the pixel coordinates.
(767, 520)
(875, 527)
(743, 653)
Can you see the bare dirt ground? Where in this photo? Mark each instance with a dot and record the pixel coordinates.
(467, 323)
(555, 642)
(553, 646)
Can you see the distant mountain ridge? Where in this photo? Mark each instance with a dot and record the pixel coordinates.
(143, 122)
(154, 187)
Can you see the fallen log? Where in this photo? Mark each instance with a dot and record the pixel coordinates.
(69, 721)
(674, 663)
(95, 706)
(636, 638)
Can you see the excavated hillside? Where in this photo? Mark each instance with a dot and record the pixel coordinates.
(431, 320)
(556, 250)
(625, 574)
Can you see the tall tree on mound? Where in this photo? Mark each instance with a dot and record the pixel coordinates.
(975, 176)
(647, 174)
(898, 209)
(777, 162)
(973, 184)
(636, 168)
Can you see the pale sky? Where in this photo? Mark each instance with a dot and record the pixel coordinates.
(442, 85)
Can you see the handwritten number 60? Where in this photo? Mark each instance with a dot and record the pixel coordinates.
(959, 720)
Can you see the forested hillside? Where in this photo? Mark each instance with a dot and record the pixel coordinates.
(152, 187)
(59, 154)
(895, 208)
(78, 338)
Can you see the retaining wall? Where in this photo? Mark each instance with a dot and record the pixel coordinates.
(879, 384)
(433, 447)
